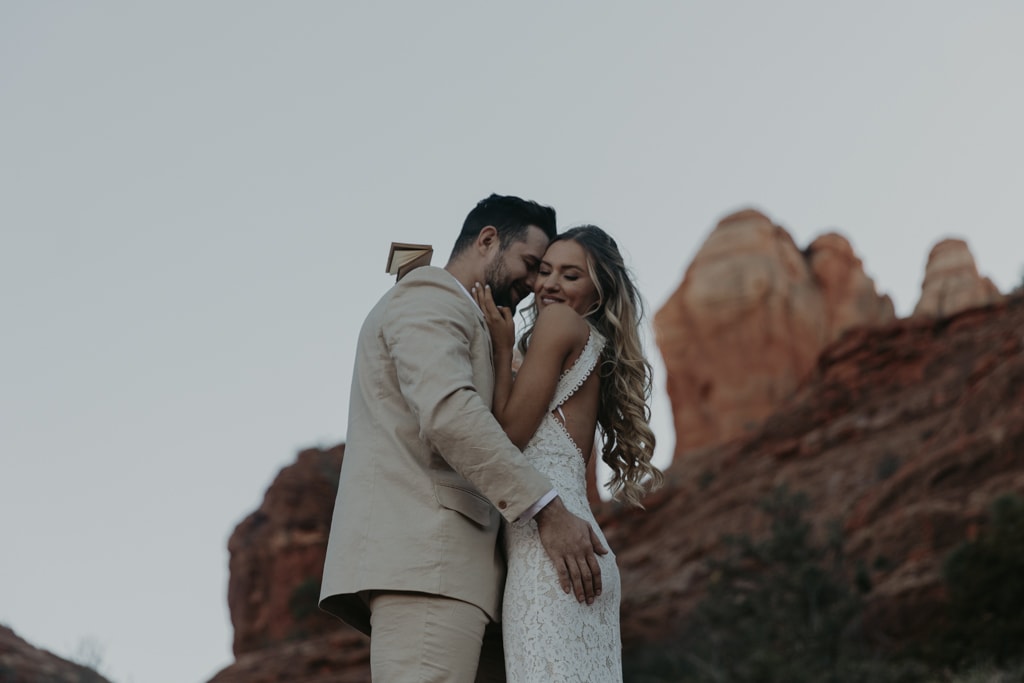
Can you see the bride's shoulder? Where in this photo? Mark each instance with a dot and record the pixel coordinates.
(558, 321)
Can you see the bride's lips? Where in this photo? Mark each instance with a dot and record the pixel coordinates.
(551, 300)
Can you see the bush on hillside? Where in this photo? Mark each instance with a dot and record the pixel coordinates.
(786, 608)
(985, 579)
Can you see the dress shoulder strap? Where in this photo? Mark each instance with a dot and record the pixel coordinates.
(574, 377)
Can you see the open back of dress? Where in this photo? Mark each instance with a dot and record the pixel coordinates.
(549, 637)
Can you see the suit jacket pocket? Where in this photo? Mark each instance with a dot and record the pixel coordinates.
(469, 504)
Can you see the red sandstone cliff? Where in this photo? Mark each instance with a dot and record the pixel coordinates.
(904, 431)
(20, 661)
(749, 320)
(277, 558)
(952, 283)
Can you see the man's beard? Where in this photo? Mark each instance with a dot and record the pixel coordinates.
(502, 289)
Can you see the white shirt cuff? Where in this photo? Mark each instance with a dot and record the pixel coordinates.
(538, 506)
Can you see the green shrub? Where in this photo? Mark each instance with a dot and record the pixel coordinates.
(303, 602)
(784, 609)
(888, 465)
(788, 609)
(987, 674)
(780, 609)
(985, 579)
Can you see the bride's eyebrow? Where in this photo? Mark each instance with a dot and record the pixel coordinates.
(567, 266)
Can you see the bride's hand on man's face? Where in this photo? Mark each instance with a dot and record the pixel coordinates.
(499, 318)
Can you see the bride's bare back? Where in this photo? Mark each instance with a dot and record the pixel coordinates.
(549, 636)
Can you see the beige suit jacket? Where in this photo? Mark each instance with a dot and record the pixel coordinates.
(428, 472)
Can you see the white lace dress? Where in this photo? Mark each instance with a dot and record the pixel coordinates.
(549, 637)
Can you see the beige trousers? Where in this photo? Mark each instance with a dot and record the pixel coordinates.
(422, 638)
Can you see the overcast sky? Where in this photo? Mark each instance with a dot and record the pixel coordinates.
(197, 198)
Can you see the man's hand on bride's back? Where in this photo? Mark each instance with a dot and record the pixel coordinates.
(573, 547)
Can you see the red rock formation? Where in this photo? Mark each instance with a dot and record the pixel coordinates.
(952, 283)
(904, 433)
(749, 320)
(277, 556)
(339, 657)
(850, 298)
(277, 560)
(20, 661)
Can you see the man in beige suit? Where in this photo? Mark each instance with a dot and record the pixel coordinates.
(413, 558)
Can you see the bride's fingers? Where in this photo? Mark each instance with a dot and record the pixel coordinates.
(489, 298)
(482, 296)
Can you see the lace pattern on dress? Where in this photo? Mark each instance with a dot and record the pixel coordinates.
(577, 373)
(550, 637)
(573, 378)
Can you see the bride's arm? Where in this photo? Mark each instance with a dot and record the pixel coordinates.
(520, 406)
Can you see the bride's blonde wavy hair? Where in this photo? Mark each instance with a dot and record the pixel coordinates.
(626, 376)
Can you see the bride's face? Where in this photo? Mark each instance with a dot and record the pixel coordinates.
(564, 278)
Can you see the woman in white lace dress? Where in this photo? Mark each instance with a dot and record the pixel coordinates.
(583, 368)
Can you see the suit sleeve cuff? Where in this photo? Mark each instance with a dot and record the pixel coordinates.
(538, 506)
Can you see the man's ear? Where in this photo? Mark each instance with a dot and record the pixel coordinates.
(487, 239)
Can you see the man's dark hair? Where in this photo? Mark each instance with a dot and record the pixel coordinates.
(512, 217)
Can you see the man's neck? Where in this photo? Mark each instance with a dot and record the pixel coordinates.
(464, 273)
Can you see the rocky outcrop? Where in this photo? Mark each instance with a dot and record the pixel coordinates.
(749, 320)
(21, 662)
(905, 434)
(849, 296)
(952, 283)
(277, 561)
(277, 556)
(339, 657)
(785, 367)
